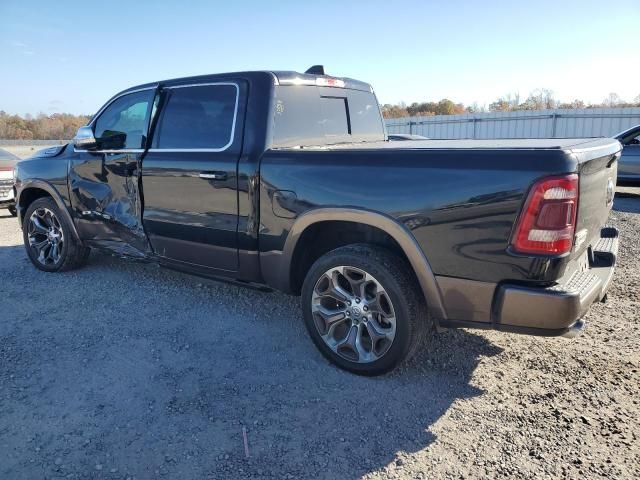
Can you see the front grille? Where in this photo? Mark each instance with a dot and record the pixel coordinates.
(5, 185)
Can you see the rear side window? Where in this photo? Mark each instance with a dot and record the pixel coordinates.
(197, 117)
(309, 116)
(123, 124)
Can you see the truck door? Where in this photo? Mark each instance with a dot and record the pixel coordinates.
(104, 182)
(189, 175)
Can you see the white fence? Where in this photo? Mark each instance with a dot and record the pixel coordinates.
(9, 143)
(565, 123)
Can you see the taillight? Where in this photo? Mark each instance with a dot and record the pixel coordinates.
(548, 220)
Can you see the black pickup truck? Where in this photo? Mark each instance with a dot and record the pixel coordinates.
(288, 181)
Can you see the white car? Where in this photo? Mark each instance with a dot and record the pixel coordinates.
(7, 163)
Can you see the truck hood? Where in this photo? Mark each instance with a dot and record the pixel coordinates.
(49, 152)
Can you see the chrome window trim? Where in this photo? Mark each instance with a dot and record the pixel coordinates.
(140, 150)
(130, 150)
(233, 124)
(177, 150)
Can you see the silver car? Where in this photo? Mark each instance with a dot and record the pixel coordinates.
(7, 163)
(629, 164)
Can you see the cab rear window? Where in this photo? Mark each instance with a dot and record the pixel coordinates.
(310, 115)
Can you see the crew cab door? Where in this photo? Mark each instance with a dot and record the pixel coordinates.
(189, 175)
(104, 181)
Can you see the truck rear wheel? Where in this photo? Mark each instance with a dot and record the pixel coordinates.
(48, 238)
(363, 309)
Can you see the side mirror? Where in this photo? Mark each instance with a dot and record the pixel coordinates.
(84, 138)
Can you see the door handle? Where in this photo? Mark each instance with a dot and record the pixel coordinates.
(214, 175)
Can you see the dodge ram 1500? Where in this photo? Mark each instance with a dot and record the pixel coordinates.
(287, 180)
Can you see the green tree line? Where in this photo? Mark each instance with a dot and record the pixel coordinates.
(540, 99)
(59, 126)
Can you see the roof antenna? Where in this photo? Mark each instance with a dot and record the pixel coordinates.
(316, 70)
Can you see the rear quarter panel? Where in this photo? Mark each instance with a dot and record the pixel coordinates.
(460, 205)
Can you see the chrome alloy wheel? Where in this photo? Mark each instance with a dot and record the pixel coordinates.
(45, 236)
(353, 314)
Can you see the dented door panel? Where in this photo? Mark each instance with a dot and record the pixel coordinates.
(105, 195)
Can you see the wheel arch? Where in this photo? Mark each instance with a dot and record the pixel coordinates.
(31, 190)
(278, 268)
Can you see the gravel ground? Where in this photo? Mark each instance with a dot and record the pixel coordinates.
(124, 370)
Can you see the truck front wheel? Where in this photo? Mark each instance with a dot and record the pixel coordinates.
(363, 309)
(48, 238)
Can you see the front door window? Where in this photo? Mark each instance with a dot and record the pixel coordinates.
(123, 124)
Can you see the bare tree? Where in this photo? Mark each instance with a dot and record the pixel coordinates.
(612, 100)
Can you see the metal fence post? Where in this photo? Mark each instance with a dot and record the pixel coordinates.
(554, 122)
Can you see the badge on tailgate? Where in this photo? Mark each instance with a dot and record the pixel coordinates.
(611, 191)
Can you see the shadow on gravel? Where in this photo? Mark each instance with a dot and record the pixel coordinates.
(127, 369)
(627, 201)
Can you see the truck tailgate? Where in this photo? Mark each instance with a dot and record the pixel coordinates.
(597, 171)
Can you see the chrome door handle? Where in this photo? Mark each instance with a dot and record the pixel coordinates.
(214, 175)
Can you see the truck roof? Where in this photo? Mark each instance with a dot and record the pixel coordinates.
(279, 77)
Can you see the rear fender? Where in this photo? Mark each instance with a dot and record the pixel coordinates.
(276, 266)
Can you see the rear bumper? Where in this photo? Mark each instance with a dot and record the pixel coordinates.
(558, 310)
(551, 311)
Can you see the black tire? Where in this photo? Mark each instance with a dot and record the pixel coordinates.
(72, 253)
(13, 211)
(394, 276)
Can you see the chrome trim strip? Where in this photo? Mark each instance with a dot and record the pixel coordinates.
(187, 85)
(132, 150)
(176, 150)
(233, 125)
(213, 176)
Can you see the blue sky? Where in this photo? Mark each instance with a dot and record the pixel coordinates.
(69, 56)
